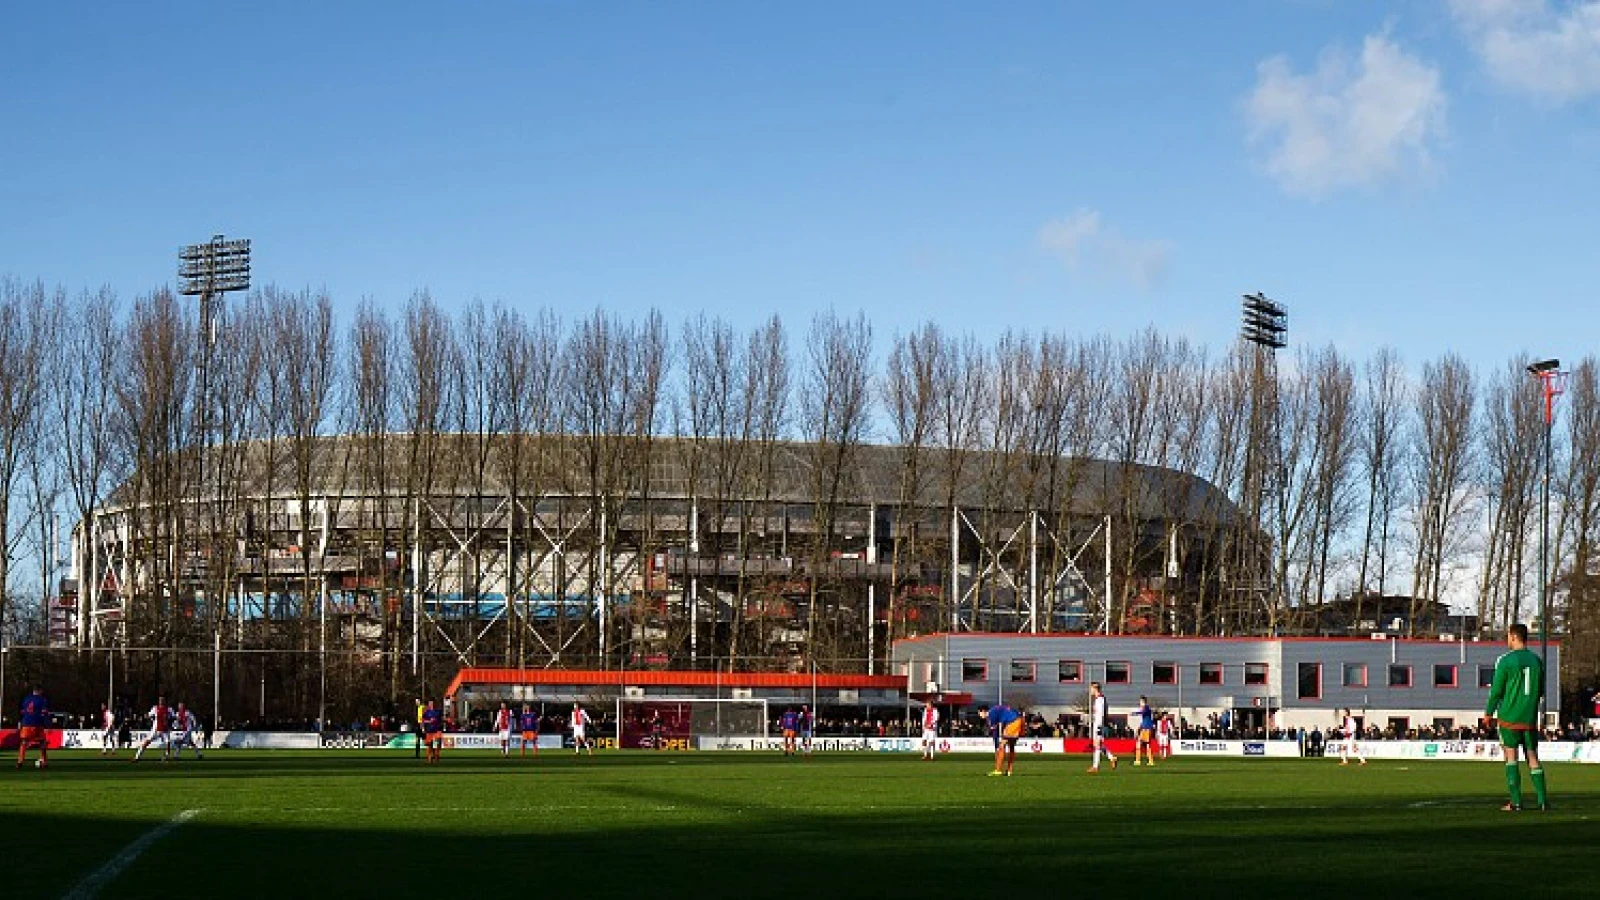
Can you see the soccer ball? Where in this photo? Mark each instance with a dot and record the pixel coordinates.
(38, 764)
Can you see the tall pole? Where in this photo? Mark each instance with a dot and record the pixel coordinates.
(1552, 381)
(1544, 551)
(1266, 325)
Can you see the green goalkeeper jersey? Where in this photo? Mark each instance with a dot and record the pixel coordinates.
(1518, 685)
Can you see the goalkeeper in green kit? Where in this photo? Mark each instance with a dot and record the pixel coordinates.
(1514, 701)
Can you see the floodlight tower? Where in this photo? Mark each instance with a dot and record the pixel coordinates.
(1266, 325)
(210, 271)
(1552, 383)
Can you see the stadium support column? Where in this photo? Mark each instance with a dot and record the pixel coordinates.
(1109, 604)
(872, 562)
(694, 582)
(1033, 571)
(605, 572)
(955, 568)
(416, 586)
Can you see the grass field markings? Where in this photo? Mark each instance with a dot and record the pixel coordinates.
(108, 873)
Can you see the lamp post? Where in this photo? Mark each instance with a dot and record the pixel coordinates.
(1552, 382)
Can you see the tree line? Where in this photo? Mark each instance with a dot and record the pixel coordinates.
(1372, 478)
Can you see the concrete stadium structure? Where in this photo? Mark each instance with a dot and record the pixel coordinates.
(517, 549)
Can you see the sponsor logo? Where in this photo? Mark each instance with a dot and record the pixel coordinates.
(1255, 748)
(353, 740)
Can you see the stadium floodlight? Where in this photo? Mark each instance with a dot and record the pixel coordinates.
(210, 271)
(215, 267)
(1547, 365)
(1266, 323)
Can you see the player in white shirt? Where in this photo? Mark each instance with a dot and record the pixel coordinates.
(1097, 727)
(184, 725)
(502, 724)
(930, 730)
(580, 724)
(160, 722)
(108, 730)
(1352, 731)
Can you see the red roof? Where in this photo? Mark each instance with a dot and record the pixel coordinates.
(619, 678)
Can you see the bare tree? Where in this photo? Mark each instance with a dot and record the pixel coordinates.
(835, 406)
(85, 358)
(909, 398)
(1444, 456)
(1580, 493)
(1511, 453)
(1382, 455)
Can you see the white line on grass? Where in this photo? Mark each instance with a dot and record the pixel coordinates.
(108, 873)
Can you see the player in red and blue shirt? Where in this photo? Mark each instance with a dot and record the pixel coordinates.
(34, 719)
(807, 722)
(432, 731)
(789, 724)
(529, 722)
(1005, 725)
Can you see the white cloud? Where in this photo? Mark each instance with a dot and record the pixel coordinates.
(1533, 47)
(1082, 243)
(1351, 122)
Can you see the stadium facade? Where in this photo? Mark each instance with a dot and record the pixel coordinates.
(602, 551)
(1385, 680)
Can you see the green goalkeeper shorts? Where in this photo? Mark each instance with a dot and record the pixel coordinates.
(1511, 739)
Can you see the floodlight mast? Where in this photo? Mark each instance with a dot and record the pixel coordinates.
(210, 271)
(1266, 325)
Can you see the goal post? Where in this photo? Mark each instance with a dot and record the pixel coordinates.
(677, 724)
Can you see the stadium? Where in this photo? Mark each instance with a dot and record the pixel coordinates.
(402, 558)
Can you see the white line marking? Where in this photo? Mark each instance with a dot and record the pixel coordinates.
(108, 873)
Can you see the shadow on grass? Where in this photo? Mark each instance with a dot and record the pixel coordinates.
(722, 849)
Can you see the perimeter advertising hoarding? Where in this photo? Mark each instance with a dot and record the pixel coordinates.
(1027, 745)
(1487, 751)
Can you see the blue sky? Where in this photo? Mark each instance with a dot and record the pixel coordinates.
(1417, 174)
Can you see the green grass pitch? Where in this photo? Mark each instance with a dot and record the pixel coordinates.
(380, 824)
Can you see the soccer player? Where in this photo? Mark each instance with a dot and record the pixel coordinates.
(34, 720)
(184, 725)
(1097, 727)
(1005, 725)
(807, 723)
(502, 724)
(580, 728)
(433, 731)
(416, 747)
(1352, 731)
(789, 724)
(658, 731)
(1147, 733)
(930, 730)
(1164, 736)
(529, 720)
(1514, 703)
(108, 730)
(160, 724)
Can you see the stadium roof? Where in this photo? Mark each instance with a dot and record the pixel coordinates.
(557, 465)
